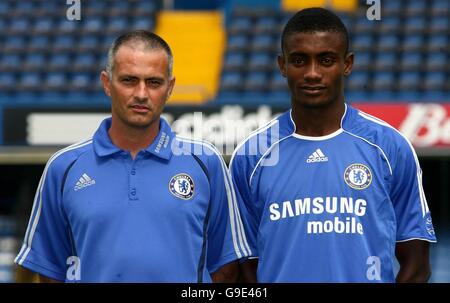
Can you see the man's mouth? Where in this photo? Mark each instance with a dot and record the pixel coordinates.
(140, 108)
(312, 89)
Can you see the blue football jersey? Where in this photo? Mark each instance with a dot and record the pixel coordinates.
(331, 208)
(169, 215)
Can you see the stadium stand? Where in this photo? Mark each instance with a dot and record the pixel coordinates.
(402, 57)
(42, 54)
(409, 47)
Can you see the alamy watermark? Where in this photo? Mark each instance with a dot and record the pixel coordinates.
(73, 12)
(374, 11)
(226, 130)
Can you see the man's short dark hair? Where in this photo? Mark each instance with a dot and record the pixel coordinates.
(150, 41)
(311, 20)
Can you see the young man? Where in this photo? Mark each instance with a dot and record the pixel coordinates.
(337, 193)
(135, 203)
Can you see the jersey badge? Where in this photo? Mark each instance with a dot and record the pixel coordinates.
(182, 186)
(358, 176)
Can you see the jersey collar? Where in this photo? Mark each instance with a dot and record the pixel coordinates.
(345, 120)
(161, 146)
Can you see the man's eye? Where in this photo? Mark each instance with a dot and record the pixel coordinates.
(154, 83)
(298, 61)
(327, 61)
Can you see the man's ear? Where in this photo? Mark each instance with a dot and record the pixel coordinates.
(282, 65)
(348, 64)
(104, 77)
(171, 86)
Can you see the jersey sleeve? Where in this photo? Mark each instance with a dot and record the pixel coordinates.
(239, 171)
(410, 205)
(46, 245)
(226, 236)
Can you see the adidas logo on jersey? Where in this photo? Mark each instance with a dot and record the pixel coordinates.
(317, 156)
(83, 182)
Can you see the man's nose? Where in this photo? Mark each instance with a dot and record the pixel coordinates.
(141, 91)
(313, 72)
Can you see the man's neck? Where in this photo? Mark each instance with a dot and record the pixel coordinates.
(132, 139)
(316, 122)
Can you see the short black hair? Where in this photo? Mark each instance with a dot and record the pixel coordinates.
(150, 41)
(315, 19)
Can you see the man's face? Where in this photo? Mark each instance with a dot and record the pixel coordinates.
(140, 85)
(314, 65)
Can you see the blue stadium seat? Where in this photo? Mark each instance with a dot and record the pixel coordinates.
(390, 24)
(358, 81)
(383, 81)
(145, 8)
(120, 5)
(415, 25)
(390, 8)
(413, 43)
(415, 7)
(266, 25)
(264, 43)
(43, 26)
(438, 43)
(436, 61)
(435, 81)
(55, 81)
(278, 82)
(10, 62)
(255, 81)
(59, 62)
(48, 8)
(389, 42)
(29, 81)
(34, 62)
(68, 27)
(26, 6)
(411, 61)
(3, 25)
(38, 43)
(63, 43)
(84, 62)
(19, 26)
(440, 8)
(88, 43)
(234, 61)
(93, 25)
(409, 81)
(80, 81)
(117, 25)
(362, 61)
(237, 43)
(5, 8)
(364, 26)
(362, 42)
(142, 23)
(14, 44)
(385, 61)
(242, 25)
(440, 24)
(7, 82)
(260, 61)
(231, 81)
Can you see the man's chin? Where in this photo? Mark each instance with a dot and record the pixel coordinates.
(140, 122)
(312, 103)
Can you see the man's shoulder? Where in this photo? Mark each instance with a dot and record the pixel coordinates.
(259, 142)
(202, 150)
(378, 132)
(64, 157)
